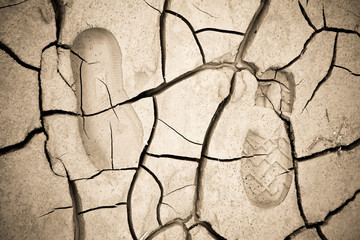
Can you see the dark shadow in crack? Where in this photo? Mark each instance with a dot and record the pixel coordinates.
(12, 54)
(136, 175)
(192, 31)
(13, 5)
(202, 163)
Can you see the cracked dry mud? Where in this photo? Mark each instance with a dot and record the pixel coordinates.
(171, 119)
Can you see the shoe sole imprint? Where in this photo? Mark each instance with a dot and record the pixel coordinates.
(97, 68)
(267, 178)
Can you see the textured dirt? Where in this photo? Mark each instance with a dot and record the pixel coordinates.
(169, 119)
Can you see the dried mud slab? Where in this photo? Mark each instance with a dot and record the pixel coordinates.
(182, 52)
(343, 224)
(144, 199)
(106, 223)
(323, 117)
(177, 181)
(108, 188)
(168, 141)
(281, 36)
(43, 206)
(333, 14)
(26, 27)
(219, 47)
(347, 50)
(65, 148)
(19, 101)
(57, 93)
(338, 170)
(217, 28)
(332, 114)
(198, 97)
(230, 15)
(144, 109)
(231, 129)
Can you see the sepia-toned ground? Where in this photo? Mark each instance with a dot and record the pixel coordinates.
(192, 119)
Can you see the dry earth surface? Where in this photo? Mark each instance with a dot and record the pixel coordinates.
(172, 119)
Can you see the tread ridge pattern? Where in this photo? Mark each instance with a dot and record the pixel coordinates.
(266, 178)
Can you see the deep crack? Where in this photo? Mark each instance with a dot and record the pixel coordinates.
(204, 150)
(192, 31)
(328, 74)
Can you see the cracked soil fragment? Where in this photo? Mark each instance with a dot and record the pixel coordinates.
(328, 181)
(27, 177)
(19, 101)
(106, 224)
(280, 35)
(27, 28)
(332, 115)
(343, 225)
(57, 94)
(181, 49)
